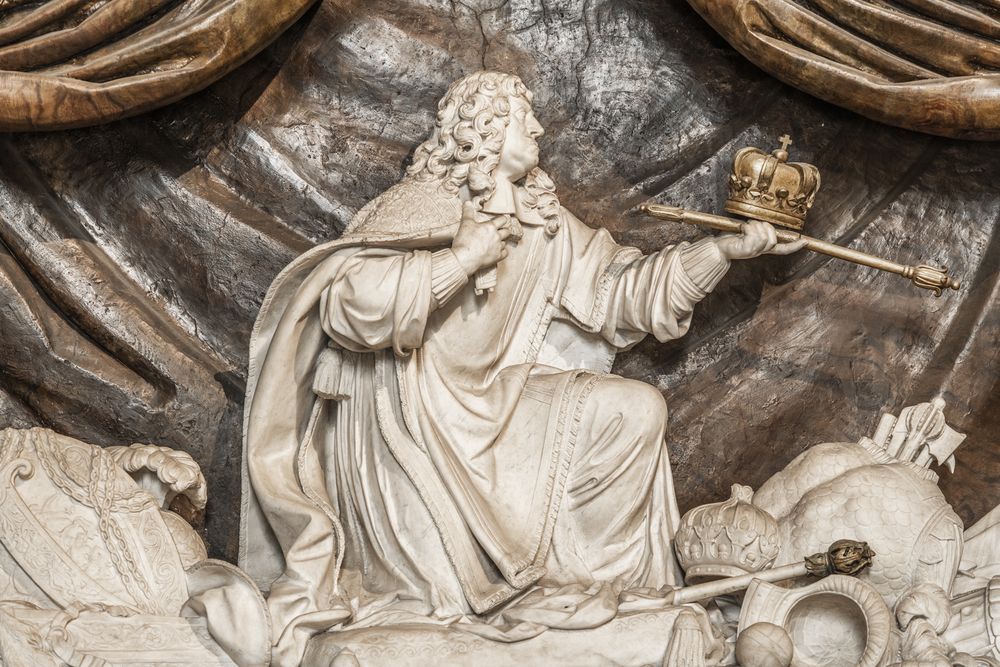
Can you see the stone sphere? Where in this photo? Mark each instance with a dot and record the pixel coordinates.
(764, 645)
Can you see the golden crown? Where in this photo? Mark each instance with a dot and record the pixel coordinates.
(769, 187)
(726, 539)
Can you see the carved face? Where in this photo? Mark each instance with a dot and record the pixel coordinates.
(519, 154)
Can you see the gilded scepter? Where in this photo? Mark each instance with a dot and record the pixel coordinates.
(845, 557)
(769, 188)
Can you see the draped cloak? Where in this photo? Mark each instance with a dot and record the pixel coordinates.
(473, 399)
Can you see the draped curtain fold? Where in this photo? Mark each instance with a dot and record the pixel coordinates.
(72, 63)
(926, 65)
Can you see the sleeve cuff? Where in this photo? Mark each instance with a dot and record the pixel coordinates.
(704, 264)
(447, 276)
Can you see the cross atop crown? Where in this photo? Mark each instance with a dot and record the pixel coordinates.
(782, 153)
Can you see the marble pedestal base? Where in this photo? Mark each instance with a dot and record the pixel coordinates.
(631, 640)
(47, 638)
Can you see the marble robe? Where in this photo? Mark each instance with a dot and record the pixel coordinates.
(467, 447)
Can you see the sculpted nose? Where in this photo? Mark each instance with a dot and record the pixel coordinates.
(535, 129)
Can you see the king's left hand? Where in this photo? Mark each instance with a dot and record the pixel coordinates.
(758, 238)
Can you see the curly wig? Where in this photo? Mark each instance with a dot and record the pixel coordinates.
(471, 125)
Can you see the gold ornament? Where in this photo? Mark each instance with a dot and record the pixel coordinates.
(770, 188)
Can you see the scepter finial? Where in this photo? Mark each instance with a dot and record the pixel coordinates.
(843, 557)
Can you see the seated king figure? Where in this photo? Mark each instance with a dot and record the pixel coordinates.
(413, 443)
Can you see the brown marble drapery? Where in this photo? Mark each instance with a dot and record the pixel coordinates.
(71, 63)
(927, 65)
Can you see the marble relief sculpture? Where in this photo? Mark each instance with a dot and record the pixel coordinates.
(450, 447)
(879, 489)
(96, 572)
(433, 441)
(439, 468)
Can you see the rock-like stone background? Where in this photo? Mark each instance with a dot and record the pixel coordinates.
(134, 255)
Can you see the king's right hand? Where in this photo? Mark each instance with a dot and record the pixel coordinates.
(758, 238)
(480, 245)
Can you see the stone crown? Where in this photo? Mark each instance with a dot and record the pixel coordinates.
(768, 187)
(726, 539)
